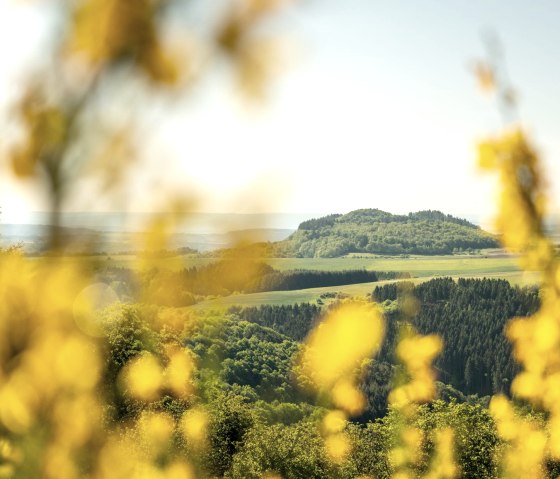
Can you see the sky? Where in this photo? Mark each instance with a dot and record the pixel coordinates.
(377, 108)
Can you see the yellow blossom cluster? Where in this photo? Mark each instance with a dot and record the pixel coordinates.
(536, 340)
(336, 441)
(526, 441)
(406, 454)
(49, 371)
(334, 353)
(145, 378)
(522, 200)
(417, 352)
(443, 465)
(53, 416)
(335, 350)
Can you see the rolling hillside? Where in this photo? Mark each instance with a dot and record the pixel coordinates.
(375, 231)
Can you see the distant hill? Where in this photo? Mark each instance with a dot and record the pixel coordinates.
(375, 231)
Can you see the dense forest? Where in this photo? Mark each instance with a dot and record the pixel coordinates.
(263, 418)
(470, 316)
(379, 232)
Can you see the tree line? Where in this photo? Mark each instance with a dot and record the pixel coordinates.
(224, 277)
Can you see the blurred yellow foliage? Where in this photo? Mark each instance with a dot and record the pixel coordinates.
(108, 31)
(522, 199)
(47, 129)
(416, 353)
(53, 417)
(351, 333)
(527, 443)
(407, 453)
(49, 369)
(144, 377)
(334, 421)
(334, 353)
(338, 447)
(194, 424)
(536, 340)
(155, 430)
(443, 466)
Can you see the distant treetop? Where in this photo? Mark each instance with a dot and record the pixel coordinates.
(375, 231)
(374, 215)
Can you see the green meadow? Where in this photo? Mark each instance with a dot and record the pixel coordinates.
(417, 266)
(489, 263)
(494, 262)
(311, 295)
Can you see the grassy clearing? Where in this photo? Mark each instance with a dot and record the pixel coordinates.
(311, 295)
(490, 264)
(417, 266)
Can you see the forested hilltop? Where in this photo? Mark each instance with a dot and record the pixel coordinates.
(375, 231)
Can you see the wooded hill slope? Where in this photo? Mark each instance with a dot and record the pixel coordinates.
(375, 231)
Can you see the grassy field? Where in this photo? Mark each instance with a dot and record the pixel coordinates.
(417, 266)
(490, 264)
(311, 295)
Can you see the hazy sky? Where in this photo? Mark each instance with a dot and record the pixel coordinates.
(379, 109)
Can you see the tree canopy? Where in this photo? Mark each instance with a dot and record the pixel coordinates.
(376, 231)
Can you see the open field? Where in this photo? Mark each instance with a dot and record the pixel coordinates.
(490, 264)
(417, 266)
(311, 295)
